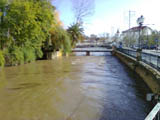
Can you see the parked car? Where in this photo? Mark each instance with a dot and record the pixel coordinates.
(145, 47)
(153, 47)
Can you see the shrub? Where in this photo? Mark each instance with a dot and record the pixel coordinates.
(2, 60)
(29, 54)
(15, 56)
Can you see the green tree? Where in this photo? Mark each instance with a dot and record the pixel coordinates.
(26, 25)
(60, 39)
(76, 33)
(126, 40)
(2, 60)
(151, 38)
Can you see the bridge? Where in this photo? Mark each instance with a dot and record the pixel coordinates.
(107, 50)
(85, 45)
(92, 47)
(91, 50)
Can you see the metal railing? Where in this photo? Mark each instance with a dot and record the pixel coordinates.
(154, 61)
(148, 58)
(155, 113)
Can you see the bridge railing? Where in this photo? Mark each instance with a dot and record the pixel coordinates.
(154, 61)
(148, 58)
(155, 113)
(129, 52)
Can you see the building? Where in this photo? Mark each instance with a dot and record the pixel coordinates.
(135, 36)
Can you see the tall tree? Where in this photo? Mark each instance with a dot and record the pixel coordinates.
(154, 38)
(60, 39)
(76, 33)
(82, 9)
(26, 25)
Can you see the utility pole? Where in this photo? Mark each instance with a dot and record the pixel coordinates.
(130, 15)
(129, 19)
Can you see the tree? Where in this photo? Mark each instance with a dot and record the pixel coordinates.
(26, 25)
(60, 40)
(82, 9)
(126, 40)
(76, 33)
(153, 37)
(57, 18)
(3, 29)
(2, 61)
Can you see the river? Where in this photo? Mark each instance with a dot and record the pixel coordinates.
(97, 87)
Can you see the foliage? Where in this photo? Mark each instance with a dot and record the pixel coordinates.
(2, 60)
(57, 19)
(151, 38)
(146, 39)
(31, 25)
(60, 39)
(76, 33)
(29, 54)
(126, 40)
(25, 25)
(15, 56)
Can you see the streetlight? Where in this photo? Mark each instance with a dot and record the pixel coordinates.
(140, 21)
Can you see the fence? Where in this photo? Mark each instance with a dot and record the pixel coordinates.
(154, 61)
(155, 113)
(148, 58)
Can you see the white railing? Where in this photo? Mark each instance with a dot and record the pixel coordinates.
(148, 58)
(155, 113)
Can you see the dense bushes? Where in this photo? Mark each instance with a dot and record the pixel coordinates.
(24, 26)
(2, 61)
(60, 39)
(27, 26)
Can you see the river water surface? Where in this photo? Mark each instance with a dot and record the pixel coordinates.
(72, 88)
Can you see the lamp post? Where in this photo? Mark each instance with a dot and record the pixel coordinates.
(140, 21)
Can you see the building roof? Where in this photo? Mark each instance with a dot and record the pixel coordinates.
(135, 29)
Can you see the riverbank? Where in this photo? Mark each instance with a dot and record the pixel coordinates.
(150, 75)
(48, 56)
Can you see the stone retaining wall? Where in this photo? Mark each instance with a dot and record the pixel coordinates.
(150, 75)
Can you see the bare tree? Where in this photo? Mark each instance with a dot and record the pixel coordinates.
(82, 9)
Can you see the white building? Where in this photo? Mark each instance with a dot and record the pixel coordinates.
(135, 36)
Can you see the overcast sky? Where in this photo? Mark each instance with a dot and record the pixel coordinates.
(111, 15)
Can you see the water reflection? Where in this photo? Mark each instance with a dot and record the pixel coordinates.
(71, 88)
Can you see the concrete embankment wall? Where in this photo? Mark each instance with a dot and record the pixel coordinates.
(150, 75)
(52, 55)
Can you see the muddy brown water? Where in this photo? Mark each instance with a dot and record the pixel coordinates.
(95, 87)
